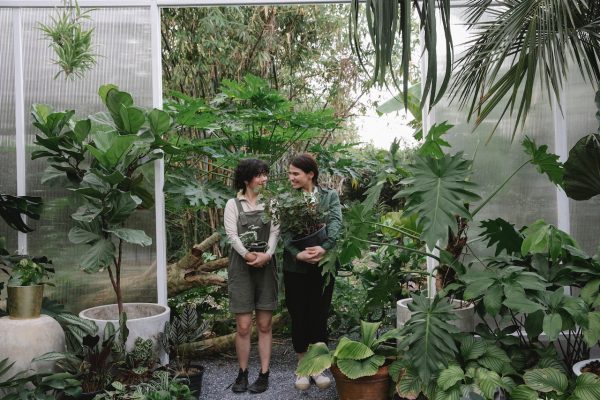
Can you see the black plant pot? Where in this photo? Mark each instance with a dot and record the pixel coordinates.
(314, 239)
(195, 380)
(259, 247)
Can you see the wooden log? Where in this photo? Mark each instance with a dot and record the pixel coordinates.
(200, 248)
(224, 343)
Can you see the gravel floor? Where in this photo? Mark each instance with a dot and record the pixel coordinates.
(221, 372)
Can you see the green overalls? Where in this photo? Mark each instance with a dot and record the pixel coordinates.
(250, 287)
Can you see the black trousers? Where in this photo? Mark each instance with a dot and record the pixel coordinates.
(308, 305)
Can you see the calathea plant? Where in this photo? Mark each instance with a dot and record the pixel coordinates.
(104, 158)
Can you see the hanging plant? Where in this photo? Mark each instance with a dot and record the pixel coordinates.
(71, 42)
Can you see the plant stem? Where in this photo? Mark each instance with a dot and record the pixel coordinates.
(490, 197)
(398, 246)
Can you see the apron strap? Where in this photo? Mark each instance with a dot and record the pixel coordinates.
(241, 213)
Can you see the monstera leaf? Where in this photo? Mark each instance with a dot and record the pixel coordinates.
(437, 193)
(582, 169)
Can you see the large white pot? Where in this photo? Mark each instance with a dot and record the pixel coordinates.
(577, 367)
(145, 320)
(465, 313)
(21, 340)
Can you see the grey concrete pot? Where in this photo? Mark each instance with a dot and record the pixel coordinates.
(464, 311)
(145, 320)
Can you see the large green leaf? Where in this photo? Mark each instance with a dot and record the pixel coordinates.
(587, 387)
(79, 235)
(135, 236)
(591, 334)
(546, 380)
(12, 208)
(546, 163)
(159, 121)
(368, 332)
(123, 205)
(545, 239)
(98, 256)
(517, 301)
(316, 360)
(110, 147)
(450, 376)
(524, 392)
(133, 118)
(502, 234)
(552, 325)
(471, 348)
(432, 146)
(86, 213)
(437, 193)
(349, 349)
(428, 336)
(355, 369)
(582, 168)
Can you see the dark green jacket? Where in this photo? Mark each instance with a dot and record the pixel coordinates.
(329, 202)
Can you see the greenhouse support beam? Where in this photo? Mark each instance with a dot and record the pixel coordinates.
(22, 247)
(180, 3)
(561, 148)
(159, 165)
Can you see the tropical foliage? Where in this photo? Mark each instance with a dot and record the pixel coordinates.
(114, 184)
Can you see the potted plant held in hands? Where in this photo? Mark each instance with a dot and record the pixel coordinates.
(250, 240)
(104, 158)
(299, 216)
(360, 368)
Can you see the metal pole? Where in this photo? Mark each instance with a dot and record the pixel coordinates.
(159, 166)
(20, 118)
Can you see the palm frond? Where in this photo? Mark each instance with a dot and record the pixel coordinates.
(518, 43)
(388, 21)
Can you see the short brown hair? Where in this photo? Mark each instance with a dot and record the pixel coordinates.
(307, 163)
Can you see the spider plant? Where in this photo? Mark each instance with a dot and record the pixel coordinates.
(70, 41)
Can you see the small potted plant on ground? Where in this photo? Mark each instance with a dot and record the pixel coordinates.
(360, 368)
(26, 285)
(185, 328)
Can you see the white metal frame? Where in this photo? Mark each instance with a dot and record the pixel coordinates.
(563, 215)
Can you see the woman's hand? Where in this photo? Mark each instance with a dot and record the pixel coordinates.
(311, 255)
(250, 256)
(261, 260)
(316, 253)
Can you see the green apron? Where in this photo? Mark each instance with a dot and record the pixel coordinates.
(249, 287)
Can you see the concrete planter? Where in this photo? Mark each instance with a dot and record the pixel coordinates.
(21, 340)
(145, 320)
(464, 311)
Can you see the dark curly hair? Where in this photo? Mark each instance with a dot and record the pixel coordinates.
(247, 169)
(307, 163)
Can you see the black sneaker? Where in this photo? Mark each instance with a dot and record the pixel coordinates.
(241, 382)
(260, 384)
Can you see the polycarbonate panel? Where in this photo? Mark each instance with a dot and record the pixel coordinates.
(8, 177)
(529, 196)
(580, 110)
(122, 42)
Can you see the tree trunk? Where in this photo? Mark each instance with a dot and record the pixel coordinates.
(224, 343)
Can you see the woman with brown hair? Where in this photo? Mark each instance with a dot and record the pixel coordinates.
(307, 300)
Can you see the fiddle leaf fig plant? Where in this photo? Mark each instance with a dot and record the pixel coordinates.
(104, 157)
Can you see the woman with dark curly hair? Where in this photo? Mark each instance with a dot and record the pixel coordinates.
(252, 277)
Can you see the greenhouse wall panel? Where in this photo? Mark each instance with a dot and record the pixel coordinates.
(8, 177)
(122, 42)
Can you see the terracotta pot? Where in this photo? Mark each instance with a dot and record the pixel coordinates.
(374, 387)
(25, 302)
